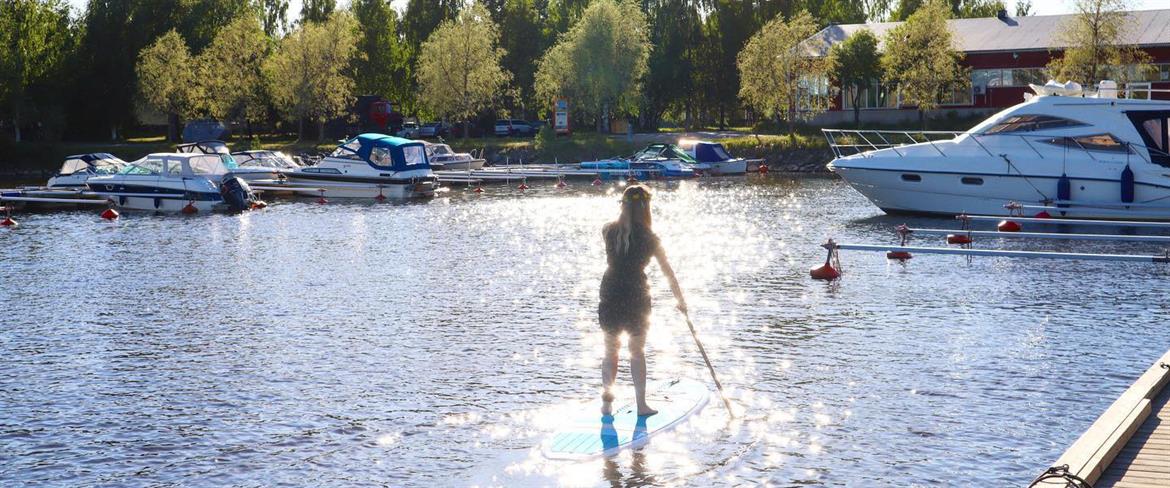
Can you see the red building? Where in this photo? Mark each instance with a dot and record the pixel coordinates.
(1005, 54)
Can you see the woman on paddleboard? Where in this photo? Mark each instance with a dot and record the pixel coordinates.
(625, 294)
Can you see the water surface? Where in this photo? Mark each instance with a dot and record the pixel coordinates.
(440, 343)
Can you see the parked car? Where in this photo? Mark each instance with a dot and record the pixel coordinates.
(409, 130)
(513, 127)
(434, 129)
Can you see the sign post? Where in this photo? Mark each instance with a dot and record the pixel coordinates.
(561, 116)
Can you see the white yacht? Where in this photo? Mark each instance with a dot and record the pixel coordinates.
(261, 164)
(80, 167)
(174, 182)
(1061, 152)
(442, 157)
(370, 166)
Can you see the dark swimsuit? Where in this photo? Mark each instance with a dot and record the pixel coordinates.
(625, 293)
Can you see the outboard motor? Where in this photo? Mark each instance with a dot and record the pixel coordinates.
(236, 193)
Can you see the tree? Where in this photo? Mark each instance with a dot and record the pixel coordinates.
(239, 49)
(459, 69)
(920, 57)
(1097, 47)
(165, 78)
(598, 64)
(273, 16)
(727, 29)
(675, 32)
(855, 64)
(420, 19)
(306, 76)
(1023, 8)
(961, 9)
(317, 10)
(777, 76)
(36, 38)
(523, 40)
(385, 70)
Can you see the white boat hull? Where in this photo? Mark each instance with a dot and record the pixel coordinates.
(344, 189)
(734, 167)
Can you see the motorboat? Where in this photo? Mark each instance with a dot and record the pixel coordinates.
(656, 161)
(1061, 151)
(442, 157)
(174, 182)
(370, 166)
(80, 167)
(714, 158)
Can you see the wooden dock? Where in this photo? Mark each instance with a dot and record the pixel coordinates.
(1129, 444)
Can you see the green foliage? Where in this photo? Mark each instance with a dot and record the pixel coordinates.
(317, 10)
(385, 70)
(1023, 8)
(273, 16)
(675, 34)
(306, 76)
(35, 36)
(459, 69)
(1096, 51)
(165, 75)
(239, 49)
(523, 40)
(599, 62)
(920, 57)
(776, 73)
(854, 63)
(962, 9)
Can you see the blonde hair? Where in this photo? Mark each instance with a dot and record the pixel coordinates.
(635, 211)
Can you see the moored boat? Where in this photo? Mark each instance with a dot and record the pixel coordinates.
(441, 157)
(174, 182)
(714, 158)
(1090, 156)
(370, 166)
(80, 167)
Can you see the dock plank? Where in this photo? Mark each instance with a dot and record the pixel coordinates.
(1144, 461)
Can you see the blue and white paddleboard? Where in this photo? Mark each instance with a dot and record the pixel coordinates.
(594, 435)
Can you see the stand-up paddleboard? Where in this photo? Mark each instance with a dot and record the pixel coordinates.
(594, 435)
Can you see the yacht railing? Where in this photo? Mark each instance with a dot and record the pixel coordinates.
(849, 142)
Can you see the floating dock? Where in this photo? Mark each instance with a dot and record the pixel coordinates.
(1128, 445)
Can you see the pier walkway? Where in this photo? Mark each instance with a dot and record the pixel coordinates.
(1129, 444)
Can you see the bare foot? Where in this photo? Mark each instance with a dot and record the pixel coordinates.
(646, 411)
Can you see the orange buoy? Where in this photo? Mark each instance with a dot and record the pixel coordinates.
(1008, 226)
(824, 272)
(1043, 214)
(259, 204)
(899, 255)
(632, 180)
(109, 214)
(762, 168)
(597, 181)
(321, 200)
(478, 189)
(380, 198)
(8, 222)
(190, 208)
(958, 239)
(522, 187)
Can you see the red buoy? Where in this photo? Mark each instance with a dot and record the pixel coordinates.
(899, 255)
(380, 198)
(321, 200)
(522, 187)
(478, 189)
(1008, 226)
(1043, 214)
(561, 184)
(824, 272)
(763, 168)
(597, 181)
(109, 214)
(632, 180)
(8, 222)
(958, 239)
(190, 208)
(259, 204)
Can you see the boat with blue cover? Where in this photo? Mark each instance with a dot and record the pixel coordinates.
(714, 159)
(370, 166)
(656, 161)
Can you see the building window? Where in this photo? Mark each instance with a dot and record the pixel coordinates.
(812, 93)
(959, 94)
(873, 95)
(996, 77)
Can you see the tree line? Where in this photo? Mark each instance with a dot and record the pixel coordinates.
(693, 62)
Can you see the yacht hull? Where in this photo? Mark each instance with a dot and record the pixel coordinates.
(368, 188)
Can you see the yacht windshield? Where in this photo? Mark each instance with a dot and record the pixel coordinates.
(414, 155)
(1095, 142)
(209, 164)
(1029, 123)
(144, 166)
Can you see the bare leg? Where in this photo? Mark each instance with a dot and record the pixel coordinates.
(609, 372)
(637, 347)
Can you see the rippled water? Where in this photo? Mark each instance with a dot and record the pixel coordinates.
(440, 343)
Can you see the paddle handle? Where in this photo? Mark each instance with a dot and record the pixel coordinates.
(703, 352)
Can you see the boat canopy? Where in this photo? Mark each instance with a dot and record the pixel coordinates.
(385, 152)
(667, 151)
(176, 165)
(96, 163)
(711, 152)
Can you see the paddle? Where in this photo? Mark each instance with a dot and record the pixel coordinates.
(710, 368)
